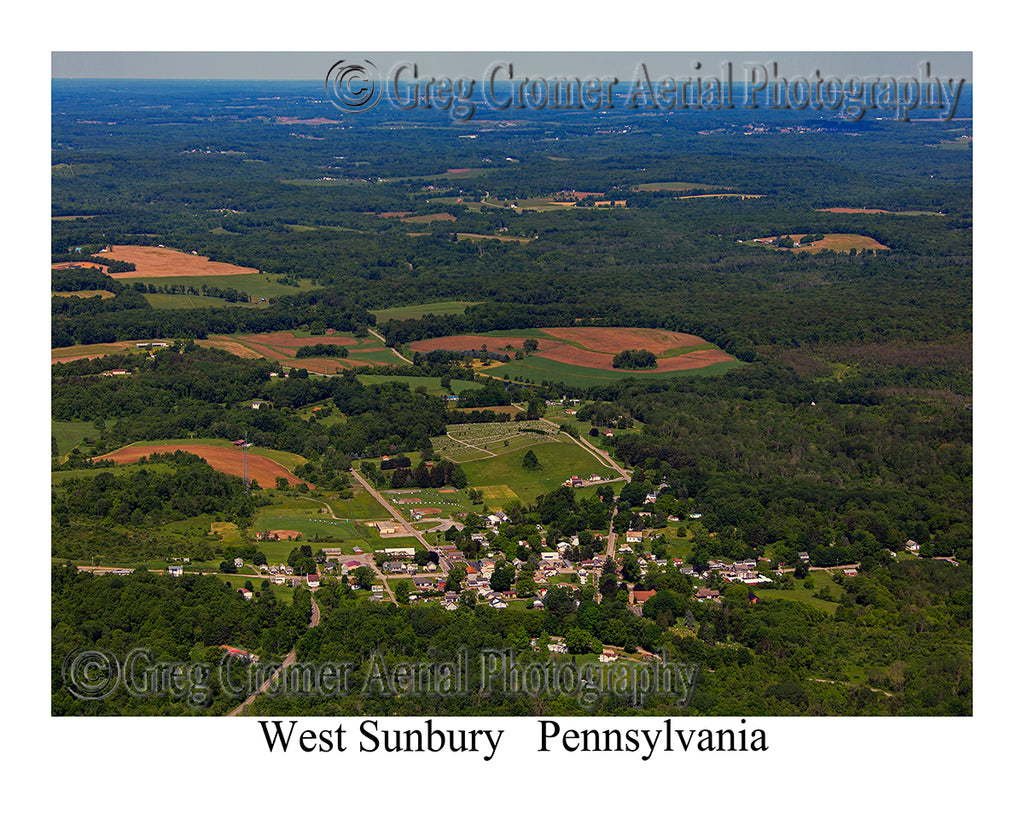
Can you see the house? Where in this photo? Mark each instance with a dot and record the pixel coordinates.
(239, 563)
(175, 571)
(913, 546)
(386, 527)
(640, 597)
(634, 537)
(394, 567)
(245, 593)
(804, 557)
(608, 655)
(707, 594)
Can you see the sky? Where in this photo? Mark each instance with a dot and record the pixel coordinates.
(313, 65)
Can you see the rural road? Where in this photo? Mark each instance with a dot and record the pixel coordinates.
(377, 335)
(288, 660)
(377, 496)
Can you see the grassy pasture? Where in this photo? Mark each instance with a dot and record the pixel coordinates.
(117, 469)
(70, 434)
(677, 186)
(418, 311)
(361, 506)
(433, 385)
(184, 301)
(83, 294)
(258, 285)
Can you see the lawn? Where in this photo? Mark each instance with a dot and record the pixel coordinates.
(822, 580)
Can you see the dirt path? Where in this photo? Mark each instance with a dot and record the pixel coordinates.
(377, 335)
(288, 660)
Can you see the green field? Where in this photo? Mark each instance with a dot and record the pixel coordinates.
(433, 385)
(418, 311)
(473, 442)
(258, 285)
(70, 434)
(822, 580)
(67, 474)
(675, 186)
(361, 506)
(450, 503)
(503, 478)
(183, 301)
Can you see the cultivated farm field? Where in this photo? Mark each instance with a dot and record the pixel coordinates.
(222, 457)
(583, 356)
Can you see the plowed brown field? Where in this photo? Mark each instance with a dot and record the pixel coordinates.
(160, 262)
(592, 346)
(229, 461)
